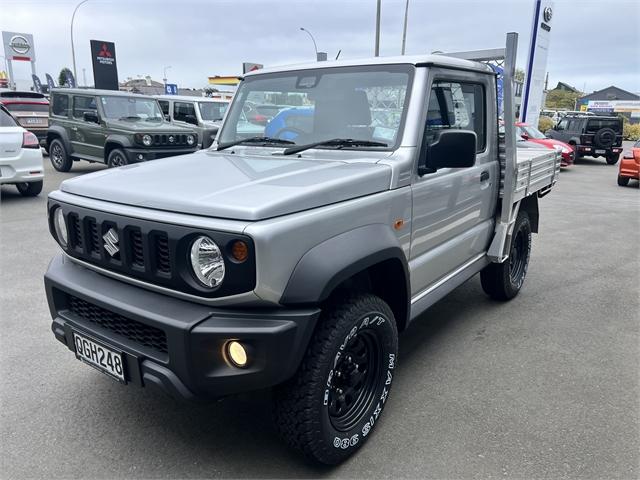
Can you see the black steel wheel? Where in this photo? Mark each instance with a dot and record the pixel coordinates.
(334, 401)
(503, 281)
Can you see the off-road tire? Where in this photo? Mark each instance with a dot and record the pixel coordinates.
(59, 156)
(604, 138)
(303, 404)
(613, 159)
(503, 281)
(623, 181)
(30, 189)
(117, 158)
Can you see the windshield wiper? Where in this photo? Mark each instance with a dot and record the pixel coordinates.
(130, 117)
(338, 142)
(279, 141)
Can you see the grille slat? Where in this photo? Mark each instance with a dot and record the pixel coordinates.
(163, 256)
(137, 249)
(145, 335)
(94, 237)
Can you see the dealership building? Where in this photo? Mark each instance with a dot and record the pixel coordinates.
(612, 100)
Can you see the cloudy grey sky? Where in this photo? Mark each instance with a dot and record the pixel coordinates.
(594, 43)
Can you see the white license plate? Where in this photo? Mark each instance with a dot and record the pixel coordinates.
(98, 356)
(32, 120)
(601, 151)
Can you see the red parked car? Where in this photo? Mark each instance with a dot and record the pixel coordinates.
(532, 134)
(630, 166)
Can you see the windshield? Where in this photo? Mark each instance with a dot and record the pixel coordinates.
(212, 111)
(308, 106)
(531, 132)
(131, 108)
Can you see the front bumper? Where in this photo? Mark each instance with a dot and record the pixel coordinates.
(143, 154)
(24, 168)
(190, 363)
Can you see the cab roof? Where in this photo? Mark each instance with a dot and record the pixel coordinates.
(93, 91)
(191, 98)
(417, 60)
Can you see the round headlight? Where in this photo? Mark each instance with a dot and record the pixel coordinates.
(191, 139)
(60, 226)
(207, 262)
(147, 140)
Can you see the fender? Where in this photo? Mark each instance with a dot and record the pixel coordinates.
(56, 131)
(333, 261)
(122, 140)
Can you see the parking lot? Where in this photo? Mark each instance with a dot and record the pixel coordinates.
(544, 386)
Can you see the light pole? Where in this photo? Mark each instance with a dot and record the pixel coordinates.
(165, 74)
(312, 39)
(377, 48)
(73, 50)
(404, 30)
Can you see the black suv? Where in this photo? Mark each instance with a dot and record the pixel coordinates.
(591, 135)
(116, 128)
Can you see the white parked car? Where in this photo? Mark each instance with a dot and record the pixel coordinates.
(20, 157)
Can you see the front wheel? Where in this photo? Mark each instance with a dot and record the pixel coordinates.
(59, 156)
(331, 405)
(117, 158)
(503, 281)
(613, 159)
(30, 189)
(623, 181)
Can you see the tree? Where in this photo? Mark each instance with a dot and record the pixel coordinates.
(63, 78)
(519, 75)
(562, 100)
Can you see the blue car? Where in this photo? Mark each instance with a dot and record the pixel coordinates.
(290, 123)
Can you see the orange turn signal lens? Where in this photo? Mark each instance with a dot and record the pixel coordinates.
(239, 251)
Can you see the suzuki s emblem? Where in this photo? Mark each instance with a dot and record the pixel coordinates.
(111, 242)
(171, 139)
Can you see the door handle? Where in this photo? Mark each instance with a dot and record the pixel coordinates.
(484, 176)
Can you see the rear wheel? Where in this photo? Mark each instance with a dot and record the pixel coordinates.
(117, 158)
(59, 156)
(30, 189)
(623, 181)
(331, 405)
(503, 281)
(613, 158)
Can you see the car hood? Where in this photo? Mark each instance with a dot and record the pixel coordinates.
(550, 142)
(147, 127)
(226, 185)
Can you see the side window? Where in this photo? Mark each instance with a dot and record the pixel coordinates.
(83, 104)
(164, 106)
(563, 124)
(60, 105)
(181, 112)
(457, 105)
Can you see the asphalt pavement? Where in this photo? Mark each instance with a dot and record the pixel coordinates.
(544, 386)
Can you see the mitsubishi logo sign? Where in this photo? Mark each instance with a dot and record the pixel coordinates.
(111, 240)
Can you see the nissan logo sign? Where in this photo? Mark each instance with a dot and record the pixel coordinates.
(19, 44)
(547, 14)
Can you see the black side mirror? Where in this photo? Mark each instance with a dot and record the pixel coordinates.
(91, 116)
(167, 117)
(191, 119)
(450, 149)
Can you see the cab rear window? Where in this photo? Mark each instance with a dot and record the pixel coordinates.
(595, 124)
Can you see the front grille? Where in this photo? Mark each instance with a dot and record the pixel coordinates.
(154, 252)
(169, 140)
(145, 335)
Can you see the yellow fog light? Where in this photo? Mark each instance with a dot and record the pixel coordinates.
(237, 354)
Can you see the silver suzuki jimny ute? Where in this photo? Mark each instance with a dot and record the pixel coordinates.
(292, 261)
